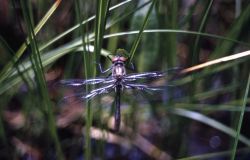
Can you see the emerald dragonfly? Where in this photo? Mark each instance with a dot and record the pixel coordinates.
(116, 82)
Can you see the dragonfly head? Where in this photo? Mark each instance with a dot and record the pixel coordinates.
(120, 57)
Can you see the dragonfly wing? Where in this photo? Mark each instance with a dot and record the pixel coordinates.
(144, 75)
(73, 99)
(80, 82)
(150, 75)
(79, 97)
(101, 90)
(143, 87)
(149, 92)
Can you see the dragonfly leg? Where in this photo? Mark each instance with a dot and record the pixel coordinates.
(101, 68)
(132, 67)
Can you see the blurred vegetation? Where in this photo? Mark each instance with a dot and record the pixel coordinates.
(202, 114)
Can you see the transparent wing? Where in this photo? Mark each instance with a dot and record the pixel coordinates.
(102, 90)
(71, 106)
(143, 87)
(80, 82)
(144, 75)
(153, 91)
(75, 97)
(77, 86)
(151, 75)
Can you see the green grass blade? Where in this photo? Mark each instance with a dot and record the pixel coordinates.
(85, 54)
(216, 69)
(53, 55)
(213, 93)
(138, 38)
(102, 9)
(114, 24)
(101, 18)
(243, 108)
(188, 17)
(2, 130)
(7, 69)
(47, 44)
(195, 56)
(40, 79)
(233, 33)
(177, 31)
(210, 122)
(214, 155)
(27, 80)
(168, 18)
(171, 39)
(47, 59)
(210, 107)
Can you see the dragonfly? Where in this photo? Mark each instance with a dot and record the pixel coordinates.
(117, 81)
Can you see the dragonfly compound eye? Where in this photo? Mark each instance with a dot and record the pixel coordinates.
(117, 59)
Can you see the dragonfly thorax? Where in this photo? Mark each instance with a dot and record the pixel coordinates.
(118, 70)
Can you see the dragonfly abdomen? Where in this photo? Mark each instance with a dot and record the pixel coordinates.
(117, 108)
